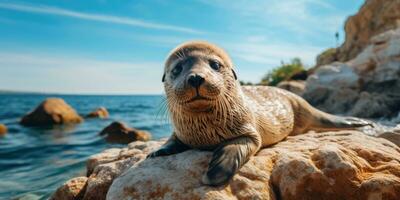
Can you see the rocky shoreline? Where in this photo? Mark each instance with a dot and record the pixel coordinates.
(330, 165)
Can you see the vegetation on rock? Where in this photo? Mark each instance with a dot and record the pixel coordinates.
(283, 72)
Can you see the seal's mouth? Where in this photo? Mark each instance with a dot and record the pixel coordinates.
(198, 98)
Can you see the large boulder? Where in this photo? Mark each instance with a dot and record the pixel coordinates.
(366, 86)
(3, 129)
(71, 190)
(330, 165)
(101, 113)
(103, 168)
(50, 112)
(118, 132)
(373, 18)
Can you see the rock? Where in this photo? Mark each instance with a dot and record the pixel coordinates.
(296, 87)
(392, 135)
(331, 88)
(328, 56)
(104, 167)
(98, 113)
(312, 166)
(373, 18)
(50, 112)
(3, 129)
(367, 86)
(118, 132)
(372, 105)
(330, 165)
(299, 76)
(71, 190)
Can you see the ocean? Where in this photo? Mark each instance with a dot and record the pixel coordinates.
(35, 161)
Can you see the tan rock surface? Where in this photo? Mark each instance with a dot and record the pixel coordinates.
(101, 113)
(3, 129)
(72, 189)
(373, 18)
(332, 165)
(50, 112)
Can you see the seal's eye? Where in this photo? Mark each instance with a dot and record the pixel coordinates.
(177, 69)
(215, 65)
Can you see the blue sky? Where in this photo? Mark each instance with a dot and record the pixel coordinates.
(118, 47)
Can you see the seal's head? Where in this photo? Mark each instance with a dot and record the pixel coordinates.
(196, 75)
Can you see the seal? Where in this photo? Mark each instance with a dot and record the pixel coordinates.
(209, 110)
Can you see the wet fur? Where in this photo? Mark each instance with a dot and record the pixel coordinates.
(240, 120)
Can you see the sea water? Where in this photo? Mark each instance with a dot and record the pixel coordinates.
(35, 161)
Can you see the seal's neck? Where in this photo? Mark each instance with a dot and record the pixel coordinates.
(228, 109)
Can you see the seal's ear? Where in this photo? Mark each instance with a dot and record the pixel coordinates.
(163, 78)
(234, 74)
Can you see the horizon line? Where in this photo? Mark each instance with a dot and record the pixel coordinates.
(22, 92)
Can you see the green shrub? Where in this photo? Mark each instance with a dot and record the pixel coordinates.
(283, 72)
(245, 83)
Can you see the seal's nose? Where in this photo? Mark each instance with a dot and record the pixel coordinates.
(195, 80)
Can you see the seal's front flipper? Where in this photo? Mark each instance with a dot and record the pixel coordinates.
(172, 146)
(228, 158)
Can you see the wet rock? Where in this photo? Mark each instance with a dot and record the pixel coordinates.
(101, 113)
(118, 132)
(330, 165)
(50, 112)
(296, 87)
(71, 190)
(3, 129)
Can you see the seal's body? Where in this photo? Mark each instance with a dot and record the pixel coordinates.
(211, 111)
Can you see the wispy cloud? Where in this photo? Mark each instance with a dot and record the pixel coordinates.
(95, 17)
(293, 15)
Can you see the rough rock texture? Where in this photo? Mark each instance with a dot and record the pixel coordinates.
(392, 135)
(296, 87)
(374, 17)
(99, 113)
(103, 168)
(117, 132)
(72, 189)
(51, 111)
(3, 129)
(328, 56)
(366, 86)
(331, 165)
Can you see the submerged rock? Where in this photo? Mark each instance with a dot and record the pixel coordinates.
(330, 165)
(101, 113)
(50, 112)
(118, 132)
(3, 129)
